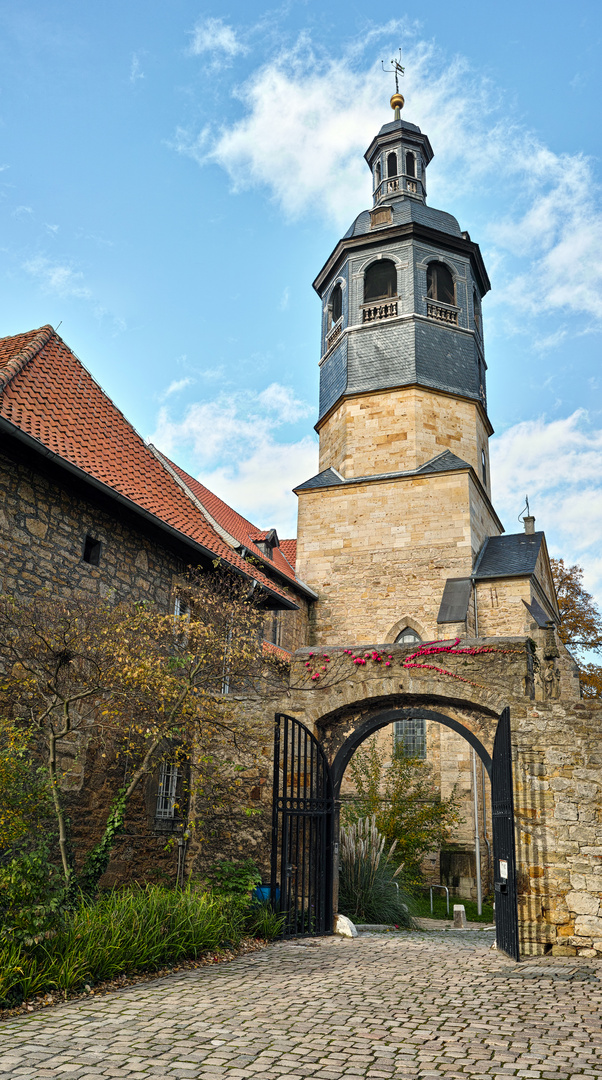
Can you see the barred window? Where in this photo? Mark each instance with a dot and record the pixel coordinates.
(411, 734)
(166, 795)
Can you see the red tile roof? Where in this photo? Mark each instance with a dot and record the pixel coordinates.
(47, 394)
(289, 550)
(238, 527)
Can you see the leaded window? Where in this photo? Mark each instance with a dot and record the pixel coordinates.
(411, 735)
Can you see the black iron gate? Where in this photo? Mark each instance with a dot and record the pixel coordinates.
(504, 857)
(302, 830)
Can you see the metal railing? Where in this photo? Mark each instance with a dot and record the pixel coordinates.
(447, 895)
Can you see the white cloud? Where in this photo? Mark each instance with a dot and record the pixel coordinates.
(233, 443)
(542, 208)
(136, 72)
(557, 464)
(215, 36)
(176, 386)
(57, 278)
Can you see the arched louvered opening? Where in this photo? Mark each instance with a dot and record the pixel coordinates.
(380, 281)
(410, 165)
(391, 165)
(440, 284)
(335, 308)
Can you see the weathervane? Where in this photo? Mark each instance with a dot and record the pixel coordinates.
(397, 99)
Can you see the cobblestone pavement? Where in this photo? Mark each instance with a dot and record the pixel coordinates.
(408, 1005)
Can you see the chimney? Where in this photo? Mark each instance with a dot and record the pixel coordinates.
(529, 523)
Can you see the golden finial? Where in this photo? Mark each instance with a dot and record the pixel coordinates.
(397, 100)
(397, 104)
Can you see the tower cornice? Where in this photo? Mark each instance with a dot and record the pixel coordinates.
(461, 245)
(408, 386)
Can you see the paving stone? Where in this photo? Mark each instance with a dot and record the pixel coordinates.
(411, 1006)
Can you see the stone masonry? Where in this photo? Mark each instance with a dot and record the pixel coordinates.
(557, 765)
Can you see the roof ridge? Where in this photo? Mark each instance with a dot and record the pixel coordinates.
(27, 353)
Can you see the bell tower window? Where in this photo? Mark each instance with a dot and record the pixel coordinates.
(440, 284)
(377, 175)
(410, 165)
(484, 468)
(381, 281)
(335, 308)
(391, 165)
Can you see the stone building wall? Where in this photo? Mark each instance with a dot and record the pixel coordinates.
(381, 550)
(43, 527)
(399, 430)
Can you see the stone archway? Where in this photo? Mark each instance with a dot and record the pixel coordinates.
(307, 787)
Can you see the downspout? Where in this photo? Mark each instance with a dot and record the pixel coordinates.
(476, 611)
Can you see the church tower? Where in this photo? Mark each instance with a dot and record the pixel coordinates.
(391, 528)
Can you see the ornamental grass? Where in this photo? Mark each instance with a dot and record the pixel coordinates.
(371, 888)
(125, 931)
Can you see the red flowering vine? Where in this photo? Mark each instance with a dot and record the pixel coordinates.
(426, 648)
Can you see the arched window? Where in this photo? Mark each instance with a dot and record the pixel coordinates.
(391, 165)
(476, 307)
(380, 281)
(377, 176)
(410, 165)
(407, 636)
(440, 284)
(335, 307)
(484, 468)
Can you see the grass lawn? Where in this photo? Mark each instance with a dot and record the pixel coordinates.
(422, 907)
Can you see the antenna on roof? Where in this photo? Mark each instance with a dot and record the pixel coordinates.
(397, 99)
(56, 327)
(525, 508)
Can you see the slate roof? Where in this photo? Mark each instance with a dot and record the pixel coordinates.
(444, 462)
(238, 528)
(406, 210)
(47, 394)
(513, 555)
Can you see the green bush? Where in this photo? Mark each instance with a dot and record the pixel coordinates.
(371, 888)
(33, 897)
(125, 931)
(233, 879)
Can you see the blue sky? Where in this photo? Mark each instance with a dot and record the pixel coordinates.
(173, 175)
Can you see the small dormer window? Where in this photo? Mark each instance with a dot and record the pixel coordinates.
(380, 281)
(391, 165)
(410, 165)
(440, 284)
(267, 543)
